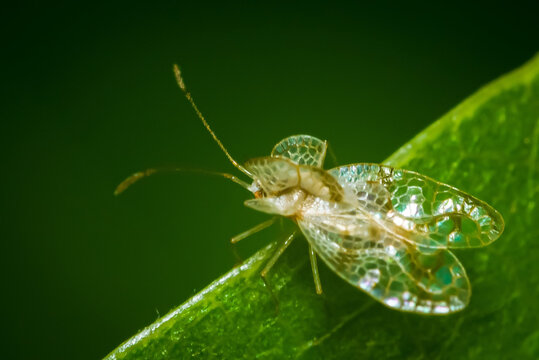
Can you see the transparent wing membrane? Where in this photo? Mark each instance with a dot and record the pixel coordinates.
(278, 174)
(426, 212)
(274, 174)
(395, 273)
(302, 150)
(386, 231)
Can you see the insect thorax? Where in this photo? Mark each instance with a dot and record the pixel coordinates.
(295, 203)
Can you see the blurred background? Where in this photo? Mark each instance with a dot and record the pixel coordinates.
(88, 97)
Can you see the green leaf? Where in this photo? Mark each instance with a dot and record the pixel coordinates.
(487, 146)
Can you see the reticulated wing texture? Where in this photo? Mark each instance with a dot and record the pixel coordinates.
(430, 213)
(274, 174)
(302, 150)
(278, 174)
(395, 273)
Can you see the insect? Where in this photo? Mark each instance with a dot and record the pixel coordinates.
(386, 231)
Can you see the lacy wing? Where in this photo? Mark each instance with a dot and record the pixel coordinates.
(302, 150)
(396, 274)
(433, 214)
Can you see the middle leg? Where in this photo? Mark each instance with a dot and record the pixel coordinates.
(271, 262)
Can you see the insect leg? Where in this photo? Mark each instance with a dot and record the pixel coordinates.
(248, 233)
(253, 230)
(277, 254)
(314, 266)
(236, 254)
(272, 262)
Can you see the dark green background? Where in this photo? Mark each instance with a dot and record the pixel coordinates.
(88, 97)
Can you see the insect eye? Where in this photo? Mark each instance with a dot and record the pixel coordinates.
(260, 194)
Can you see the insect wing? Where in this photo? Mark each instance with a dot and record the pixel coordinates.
(274, 174)
(394, 273)
(302, 150)
(277, 174)
(431, 214)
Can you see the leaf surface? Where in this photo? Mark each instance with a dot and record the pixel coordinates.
(487, 146)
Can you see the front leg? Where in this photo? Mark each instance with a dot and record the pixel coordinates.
(271, 262)
(248, 233)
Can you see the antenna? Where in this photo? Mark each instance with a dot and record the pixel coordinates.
(187, 94)
(142, 174)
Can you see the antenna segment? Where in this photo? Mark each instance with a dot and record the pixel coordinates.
(142, 174)
(187, 94)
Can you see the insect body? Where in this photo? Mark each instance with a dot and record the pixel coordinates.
(385, 231)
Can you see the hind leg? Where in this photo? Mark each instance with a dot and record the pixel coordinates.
(314, 267)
